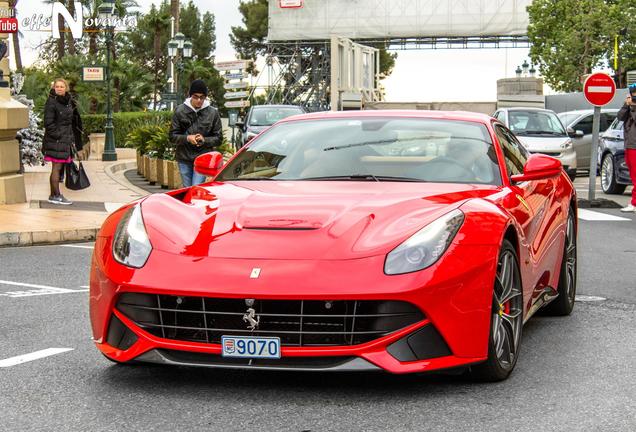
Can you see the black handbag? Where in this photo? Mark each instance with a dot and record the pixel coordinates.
(76, 178)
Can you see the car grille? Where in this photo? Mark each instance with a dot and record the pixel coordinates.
(295, 322)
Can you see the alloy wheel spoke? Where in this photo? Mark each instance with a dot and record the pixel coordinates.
(511, 295)
(505, 278)
(507, 346)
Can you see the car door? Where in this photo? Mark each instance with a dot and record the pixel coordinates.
(530, 203)
(583, 145)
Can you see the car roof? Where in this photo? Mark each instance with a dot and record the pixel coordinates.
(276, 106)
(589, 111)
(445, 115)
(526, 109)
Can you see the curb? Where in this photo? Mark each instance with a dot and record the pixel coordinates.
(12, 239)
(116, 173)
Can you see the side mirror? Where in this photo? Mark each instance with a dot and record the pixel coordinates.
(539, 167)
(239, 124)
(209, 164)
(574, 134)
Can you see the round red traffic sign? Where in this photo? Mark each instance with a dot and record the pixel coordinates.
(599, 89)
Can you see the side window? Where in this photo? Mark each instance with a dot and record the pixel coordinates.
(585, 125)
(616, 124)
(606, 120)
(514, 152)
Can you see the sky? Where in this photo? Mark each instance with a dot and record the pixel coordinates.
(422, 76)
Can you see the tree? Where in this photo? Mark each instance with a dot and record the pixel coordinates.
(147, 44)
(16, 41)
(30, 138)
(567, 45)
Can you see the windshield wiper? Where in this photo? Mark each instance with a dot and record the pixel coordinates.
(250, 178)
(544, 133)
(394, 140)
(356, 177)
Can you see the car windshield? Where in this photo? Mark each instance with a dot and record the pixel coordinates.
(535, 123)
(270, 115)
(369, 149)
(568, 118)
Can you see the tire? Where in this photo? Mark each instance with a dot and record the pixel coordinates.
(506, 320)
(572, 174)
(564, 303)
(608, 177)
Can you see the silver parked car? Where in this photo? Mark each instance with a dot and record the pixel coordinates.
(579, 126)
(541, 131)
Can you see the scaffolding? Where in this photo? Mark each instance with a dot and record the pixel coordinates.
(301, 74)
(299, 49)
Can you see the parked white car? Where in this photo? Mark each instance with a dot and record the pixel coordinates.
(541, 131)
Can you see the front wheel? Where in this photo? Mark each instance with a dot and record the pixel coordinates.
(506, 320)
(608, 177)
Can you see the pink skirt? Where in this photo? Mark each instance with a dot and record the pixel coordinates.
(51, 159)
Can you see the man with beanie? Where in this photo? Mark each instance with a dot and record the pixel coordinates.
(627, 114)
(196, 129)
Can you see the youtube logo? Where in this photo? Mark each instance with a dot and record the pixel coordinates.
(8, 25)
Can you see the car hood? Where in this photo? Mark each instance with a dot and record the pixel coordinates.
(543, 143)
(298, 219)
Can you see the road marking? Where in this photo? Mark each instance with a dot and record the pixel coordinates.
(37, 291)
(590, 215)
(78, 246)
(585, 298)
(12, 361)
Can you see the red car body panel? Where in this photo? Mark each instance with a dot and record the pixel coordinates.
(328, 241)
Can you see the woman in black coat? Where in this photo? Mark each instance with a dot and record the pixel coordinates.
(62, 133)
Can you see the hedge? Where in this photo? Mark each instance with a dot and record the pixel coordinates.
(124, 123)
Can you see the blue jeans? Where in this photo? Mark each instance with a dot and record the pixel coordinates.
(188, 176)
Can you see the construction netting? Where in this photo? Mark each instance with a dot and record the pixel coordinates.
(380, 19)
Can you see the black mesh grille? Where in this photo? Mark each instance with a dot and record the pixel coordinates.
(296, 322)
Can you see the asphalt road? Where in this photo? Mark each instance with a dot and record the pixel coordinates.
(574, 374)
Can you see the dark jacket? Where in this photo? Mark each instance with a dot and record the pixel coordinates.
(627, 114)
(62, 126)
(186, 121)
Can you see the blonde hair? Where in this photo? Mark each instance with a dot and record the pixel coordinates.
(57, 80)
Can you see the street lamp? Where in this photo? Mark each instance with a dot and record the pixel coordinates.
(106, 12)
(187, 49)
(173, 46)
(179, 45)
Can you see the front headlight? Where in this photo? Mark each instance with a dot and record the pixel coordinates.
(131, 246)
(426, 246)
(567, 145)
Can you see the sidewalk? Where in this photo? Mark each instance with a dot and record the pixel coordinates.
(39, 222)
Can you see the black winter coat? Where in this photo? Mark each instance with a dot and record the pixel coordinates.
(186, 121)
(627, 114)
(62, 126)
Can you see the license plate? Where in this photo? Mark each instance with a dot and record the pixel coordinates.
(250, 347)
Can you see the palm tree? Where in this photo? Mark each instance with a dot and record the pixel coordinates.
(174, 12)
(16, 41)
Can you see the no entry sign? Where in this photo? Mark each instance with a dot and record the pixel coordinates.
(599, 89)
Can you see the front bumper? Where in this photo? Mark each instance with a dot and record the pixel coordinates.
(454, 296)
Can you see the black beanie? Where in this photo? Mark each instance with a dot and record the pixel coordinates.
(198, 86)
